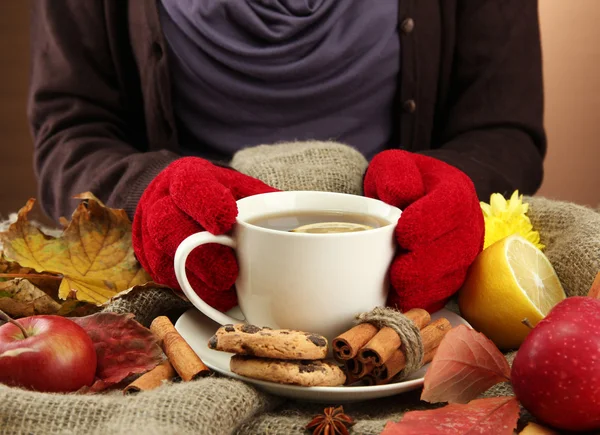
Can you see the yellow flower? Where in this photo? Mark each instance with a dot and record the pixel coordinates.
(504, 218)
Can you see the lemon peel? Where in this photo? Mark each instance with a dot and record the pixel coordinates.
(510, 281)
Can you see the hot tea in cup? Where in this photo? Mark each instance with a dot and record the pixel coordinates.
(319, 222)
(308, 261)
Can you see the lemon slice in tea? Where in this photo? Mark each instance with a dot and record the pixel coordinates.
(331, 227)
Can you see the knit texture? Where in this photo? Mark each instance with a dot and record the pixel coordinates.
(192, 195)
(409, 334)
(441, 229)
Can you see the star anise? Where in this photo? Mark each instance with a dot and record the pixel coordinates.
(333, 421)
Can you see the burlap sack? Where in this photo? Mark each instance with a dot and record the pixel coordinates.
(219, 405)
(148, 304)
(322, 166)
(370, 416)
(207, 406)
(571, 234)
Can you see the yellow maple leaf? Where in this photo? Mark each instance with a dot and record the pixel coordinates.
(20, 298)
(94, 254)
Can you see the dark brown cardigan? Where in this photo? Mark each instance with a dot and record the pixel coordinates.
(100, 105)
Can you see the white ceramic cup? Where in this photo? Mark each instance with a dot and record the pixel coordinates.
(309, 282)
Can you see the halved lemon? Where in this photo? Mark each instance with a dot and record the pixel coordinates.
(510, 281)
(331, 227)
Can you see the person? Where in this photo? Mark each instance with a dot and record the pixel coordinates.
(144, 102)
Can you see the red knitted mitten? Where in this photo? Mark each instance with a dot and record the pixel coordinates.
(440, 231)
(189, 196)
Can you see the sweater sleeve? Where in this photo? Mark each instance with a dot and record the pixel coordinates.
(493, 129)
(82, 130)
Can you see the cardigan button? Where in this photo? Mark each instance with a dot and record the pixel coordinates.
(407, 26)
(409, 106)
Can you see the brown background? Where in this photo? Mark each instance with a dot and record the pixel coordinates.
(571, 48)
(570, 36)
(17, 182)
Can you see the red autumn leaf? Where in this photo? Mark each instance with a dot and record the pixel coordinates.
(123, 347)
(595, 289)
(495, 415)
(465, 365)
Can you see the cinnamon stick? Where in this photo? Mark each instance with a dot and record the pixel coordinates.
(350, 378)
(153, 379)
(160, 327)
(383, 345)
(183, 359)
(347, 345)
(358, 369)
(431, 337)
(381, 379)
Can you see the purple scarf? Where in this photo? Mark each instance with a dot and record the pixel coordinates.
(249, 72)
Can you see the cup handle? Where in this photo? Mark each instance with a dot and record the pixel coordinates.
(181, 255)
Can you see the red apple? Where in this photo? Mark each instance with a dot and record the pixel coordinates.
(556, 373)
(56, 356)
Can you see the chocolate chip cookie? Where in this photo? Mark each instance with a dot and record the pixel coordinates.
(244, 339)
(295, 372)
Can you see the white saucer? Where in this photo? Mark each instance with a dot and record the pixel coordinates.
(197, 329)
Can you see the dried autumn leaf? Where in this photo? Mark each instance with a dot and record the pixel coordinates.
(595, 289)
(11, 267)
(20, 298)
(94, 254)
(465, 365)
(75, 308)
(495, 415)
(48, 283)
(123, 347)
